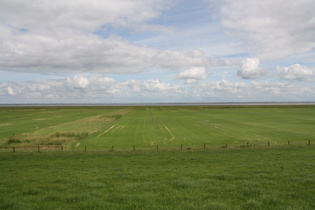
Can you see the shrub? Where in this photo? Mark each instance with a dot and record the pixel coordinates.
(13, 140)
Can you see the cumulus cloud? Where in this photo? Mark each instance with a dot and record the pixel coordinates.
(78, 81)
(102, 89)
(92, 88)
(296, 72)
(193, 75)
(250, 69)
(271, 29)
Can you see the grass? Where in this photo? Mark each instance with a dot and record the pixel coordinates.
(53, 126)
(244, 178)
(247, 174)
(100, 128)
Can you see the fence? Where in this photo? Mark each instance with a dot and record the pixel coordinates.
(156, 148)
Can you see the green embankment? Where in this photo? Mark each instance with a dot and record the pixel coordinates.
(243, 178)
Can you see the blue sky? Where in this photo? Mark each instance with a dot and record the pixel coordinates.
(136, 51)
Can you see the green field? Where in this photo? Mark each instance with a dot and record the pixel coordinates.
(100, 128)
(248, 174)
(244, 178)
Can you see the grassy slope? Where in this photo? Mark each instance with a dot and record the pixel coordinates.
(247, 178)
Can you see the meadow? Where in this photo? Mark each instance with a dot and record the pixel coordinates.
(244, 178)
(101, 128)
(247, 174)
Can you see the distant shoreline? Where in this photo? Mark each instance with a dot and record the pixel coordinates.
(157, 104)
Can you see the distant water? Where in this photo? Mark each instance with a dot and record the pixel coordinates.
(158, 104)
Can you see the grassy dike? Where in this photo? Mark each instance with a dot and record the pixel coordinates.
(244, 178)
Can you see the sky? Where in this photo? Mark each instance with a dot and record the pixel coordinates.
(156, 51)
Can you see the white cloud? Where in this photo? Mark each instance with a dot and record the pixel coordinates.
(228, 91)
(193, 75)
(78, 81)
(296, 72)
(89, 88)
(100, 89)
(58, 36)
(8, 90)
(250, 69)
(90, 53)
(271, 29)
(58, 16)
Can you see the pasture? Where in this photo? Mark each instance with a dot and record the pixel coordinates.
(100, 128)
(248, 174)
(243, 178)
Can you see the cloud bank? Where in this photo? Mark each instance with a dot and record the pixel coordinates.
(100, 89)
(57, 36)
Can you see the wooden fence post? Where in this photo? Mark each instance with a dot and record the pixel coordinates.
(204, 146)
(225, 145)
(134, 148)
(309, 142)
(157, 147)
(13, 149)
(247, 144)
(181, 147)
(112, 149)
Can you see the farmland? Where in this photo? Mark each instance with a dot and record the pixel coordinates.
(248, 174)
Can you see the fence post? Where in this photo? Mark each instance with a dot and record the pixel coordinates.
(134, 148)
(61, 148)
(247, 144)
(204, 146)
(13, 149)
(38, 149)
(288, 142)
(181, 147)
(112, 148)
(268, 143)
(309, 142)
(157, 147)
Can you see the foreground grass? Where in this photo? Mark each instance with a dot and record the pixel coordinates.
(244, 178)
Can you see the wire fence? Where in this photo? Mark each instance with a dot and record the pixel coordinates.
(180, 147)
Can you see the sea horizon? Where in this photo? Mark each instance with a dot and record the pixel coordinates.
(158, 104)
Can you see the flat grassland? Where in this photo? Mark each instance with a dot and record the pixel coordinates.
(242, 176)
(100, 128)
